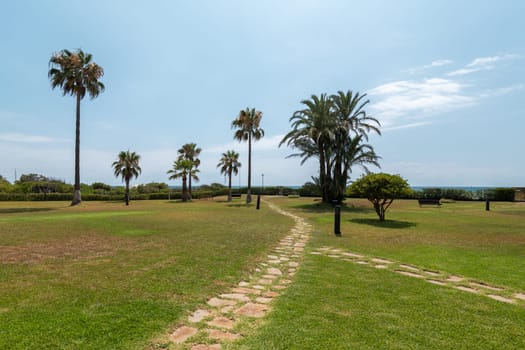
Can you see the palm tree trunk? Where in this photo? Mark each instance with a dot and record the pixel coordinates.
(249, 191)
(230, 185)
(77, 199)
(322, 173)
(189, 187)
(127, 191)
(184, 189)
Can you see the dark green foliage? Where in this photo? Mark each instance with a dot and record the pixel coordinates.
(501, 194)
(310, 189)
(152, 187)
(380, 189)
(100, 186)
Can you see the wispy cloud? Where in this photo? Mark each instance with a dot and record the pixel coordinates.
(408, 103)
(434, 64)
(480, 64)
(23, 138)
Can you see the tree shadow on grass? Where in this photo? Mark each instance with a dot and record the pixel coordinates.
(384, 224)
(23, 210)
(320, 207)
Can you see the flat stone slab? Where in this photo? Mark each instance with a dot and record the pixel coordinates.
(409, 267)
(265, 281)
(500, 298)
(274, 271)
(235, 296)
(381, 266)
(198, 315)
(220, 335)
(454, 279)
(264, 300)
(244, 290)
(227, 309)
(252, 310)
(466, 289)
(520, 296)
(274, 262)
(432, 273)
(279, 287)
(381, 261)
(244, 284)
(216, 302)
(361, 262)
(333, 256)
(181, 334)
(222, 322)
(352, 255)
(439, 283)
(206, 347)
(269, 277)
(411, 274)
(273, 257)
(316, 253)
(293, 264)
(485, 286)
(271, 294)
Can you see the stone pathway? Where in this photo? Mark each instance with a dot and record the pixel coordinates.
(218, 321)
(440, 278)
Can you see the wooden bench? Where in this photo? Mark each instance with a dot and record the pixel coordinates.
(429, 201)
(236, 195)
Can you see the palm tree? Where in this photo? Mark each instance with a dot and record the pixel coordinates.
(190, 151)
(127, 166)
(229, 164)
(312, 133)
(181, 169)
(247, 128)
(353, 127)
(76, 75)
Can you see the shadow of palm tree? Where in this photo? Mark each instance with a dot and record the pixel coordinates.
(384, 224)
(23, 210)
(320, 207)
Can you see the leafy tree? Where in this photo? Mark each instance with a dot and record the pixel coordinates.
(100, 186)
(247, 128)
(127, 166)
(381, 189)
(229, 164)
(190, 151)
(76, 75)
(181, 169)
(32, 178)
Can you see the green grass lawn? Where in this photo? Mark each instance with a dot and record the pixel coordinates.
(335, 304)
(106, 276)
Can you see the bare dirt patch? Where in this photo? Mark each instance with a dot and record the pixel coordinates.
(83, 247)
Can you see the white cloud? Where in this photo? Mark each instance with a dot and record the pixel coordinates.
(23, 138)
(434, 64)
(406, 103)
(480, 64)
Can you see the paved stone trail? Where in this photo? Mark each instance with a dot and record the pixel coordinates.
(215, 323)
(440, 278)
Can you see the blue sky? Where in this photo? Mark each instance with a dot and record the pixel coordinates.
(445, 78)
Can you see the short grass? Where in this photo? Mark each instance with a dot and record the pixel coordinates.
(335, 304)
(106, 276)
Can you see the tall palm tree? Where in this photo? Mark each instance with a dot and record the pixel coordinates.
(229, 164)
(312, 133)
(353, 127)
(181, 169)
(247, 126)
(127, 166)
(76, 75)
(190, 151)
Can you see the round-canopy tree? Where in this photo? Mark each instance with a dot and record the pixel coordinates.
(381, 189)
(76, 75)
(127, 166)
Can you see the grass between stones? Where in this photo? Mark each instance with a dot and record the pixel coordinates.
(106, 276)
